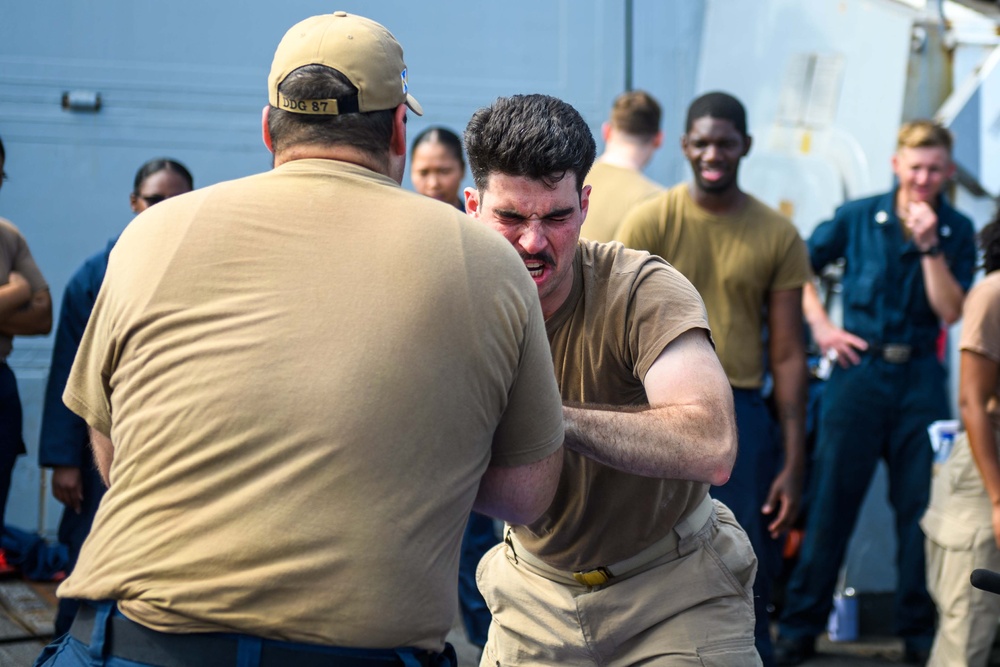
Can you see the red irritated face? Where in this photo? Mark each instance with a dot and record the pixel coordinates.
(714, 147)
(922, 173)
(542, 220)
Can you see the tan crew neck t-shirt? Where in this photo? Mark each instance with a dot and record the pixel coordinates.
(305, 374)
(734, 261)
(624, 309)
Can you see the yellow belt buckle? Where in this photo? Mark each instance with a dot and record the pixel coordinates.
(597, 577)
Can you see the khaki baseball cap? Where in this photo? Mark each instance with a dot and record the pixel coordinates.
(359, 48)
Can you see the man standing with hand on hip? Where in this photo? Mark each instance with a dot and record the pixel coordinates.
(909, 258)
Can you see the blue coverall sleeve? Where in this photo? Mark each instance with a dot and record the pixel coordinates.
(64, 439)
(963, 265)
(828, 242)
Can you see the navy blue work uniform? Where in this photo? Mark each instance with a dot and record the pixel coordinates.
(102, 636)
(758, 461)
(64, 440)
(879, 408)
(11, 442)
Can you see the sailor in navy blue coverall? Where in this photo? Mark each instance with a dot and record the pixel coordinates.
(64, 442)
(902, 279)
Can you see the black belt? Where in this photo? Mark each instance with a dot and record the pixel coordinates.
(129, 640)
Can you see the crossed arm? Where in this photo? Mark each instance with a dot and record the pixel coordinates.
(688, 430)
(22, 312)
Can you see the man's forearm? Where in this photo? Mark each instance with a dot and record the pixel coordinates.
(519, 495)
(32, 319)
(13, 297)
(694, 442)
(812, 307)
(944, 293)
(790, 391)
(104, 453)
(787, 351)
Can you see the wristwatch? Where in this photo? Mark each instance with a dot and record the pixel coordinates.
(933, 251)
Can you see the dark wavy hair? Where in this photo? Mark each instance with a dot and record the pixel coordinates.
(534, 136)
(989, 242)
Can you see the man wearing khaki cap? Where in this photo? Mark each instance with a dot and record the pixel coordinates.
(278, 365)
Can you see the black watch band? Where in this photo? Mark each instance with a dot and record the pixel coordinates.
(933, 251)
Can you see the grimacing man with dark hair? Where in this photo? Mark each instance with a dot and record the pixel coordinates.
(277, 364)
(633, 562)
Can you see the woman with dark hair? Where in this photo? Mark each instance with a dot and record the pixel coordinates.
(437, 165)
(25, 310)
(64, 444)
(157, 180)
(962, 523)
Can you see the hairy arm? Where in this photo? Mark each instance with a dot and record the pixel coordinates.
(978, 381)
(787, 352)
(826, 334)
(104, 453)
(688, 430)
(519, 494)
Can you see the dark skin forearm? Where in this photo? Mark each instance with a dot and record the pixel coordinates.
(787, 353)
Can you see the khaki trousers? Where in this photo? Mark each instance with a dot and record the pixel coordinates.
(691, 606)
(959, 530)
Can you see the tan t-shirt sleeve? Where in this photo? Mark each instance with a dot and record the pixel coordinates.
(21, 258)
(664, 304)
(88, 389)
(793, 269)
(981, 320)
(532, 425)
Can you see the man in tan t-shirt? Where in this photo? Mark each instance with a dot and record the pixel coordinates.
(296, 402)
(633, 563)
(631, 136)
(749, 264)
(25, 310)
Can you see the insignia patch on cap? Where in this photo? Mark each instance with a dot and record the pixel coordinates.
(406, 87)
